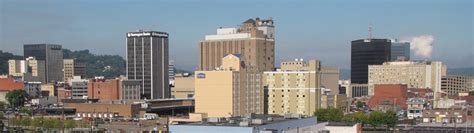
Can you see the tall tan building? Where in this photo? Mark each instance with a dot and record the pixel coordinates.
(296, 87)
(16, 68)
(253, 41)
(415, 74)
(73, 68)
(455, 85)
(230, 90)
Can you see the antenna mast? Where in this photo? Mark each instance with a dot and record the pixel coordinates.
(370, 30)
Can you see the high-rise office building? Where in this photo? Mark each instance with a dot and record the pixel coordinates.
(253, 40)
(73, 68)
(399, 51)
(51, 54)
(365, 52)
(230, 90)
(147, 60)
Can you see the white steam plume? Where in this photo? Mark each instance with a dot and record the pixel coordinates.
(422, 45)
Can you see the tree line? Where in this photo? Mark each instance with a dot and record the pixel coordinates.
(375, 118)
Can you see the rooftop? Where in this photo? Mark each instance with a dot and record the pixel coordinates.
(253, 121)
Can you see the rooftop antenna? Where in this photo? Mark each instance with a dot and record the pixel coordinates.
(370, 30)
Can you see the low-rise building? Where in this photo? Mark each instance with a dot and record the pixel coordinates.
(342, 127)
(64, 93)
(183, 86)
(415, 107)
(446, 116)
(8, 84)
(388, 96)
(48, 89)
(106, 110)
(456, 85)
(254, 124)
(102, 89)
(33, 89)
(353, 90)
(79, 87)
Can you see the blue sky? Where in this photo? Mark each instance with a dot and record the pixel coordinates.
(304, 29)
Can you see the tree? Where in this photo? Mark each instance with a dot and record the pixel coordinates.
(330, 114)
(360, 117)
(390, 119)
(26, 110)
(37, 122)
(16, 98)
(25, 121)
(376, 118)
(69, 124)
(359, 104)
(2, 105)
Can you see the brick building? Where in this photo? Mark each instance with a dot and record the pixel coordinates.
(124, 110)
(64, 93)
(9, 84)
(391, 95)
(104, 89)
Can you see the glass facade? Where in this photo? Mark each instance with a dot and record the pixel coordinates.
(52, 55)
(365, 52)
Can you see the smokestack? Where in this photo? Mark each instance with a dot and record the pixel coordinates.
(422, 45)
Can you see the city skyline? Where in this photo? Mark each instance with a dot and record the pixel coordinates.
(321, 30)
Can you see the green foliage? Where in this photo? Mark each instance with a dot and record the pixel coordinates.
(390, 118)
(109, 66)
(361, 117)
(2, 105)
(16, 98)
(26, 110)
(359, 104)
(4, 57)
(37, 122)
(69, 124)
(15, 121)
(376, 118)
(471, 93)
(330, 114)
(25, 121)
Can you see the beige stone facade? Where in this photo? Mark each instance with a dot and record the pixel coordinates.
(415, 74)
(16, 68)
(231, 90)
(183, 87)
(253, 41)
(73, 68)
(48, 88)
(296, 87)
(456, 85)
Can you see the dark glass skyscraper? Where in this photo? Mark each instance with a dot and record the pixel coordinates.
(147, 61)
(51, 54)
(365, 52)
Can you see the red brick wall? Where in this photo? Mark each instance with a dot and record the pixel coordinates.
(64, 93)
(395, 93)
(9, 84)
(104, 90)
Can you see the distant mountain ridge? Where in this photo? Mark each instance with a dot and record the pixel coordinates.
(4, 57)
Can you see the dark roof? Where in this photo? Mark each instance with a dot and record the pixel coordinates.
(249, 21)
